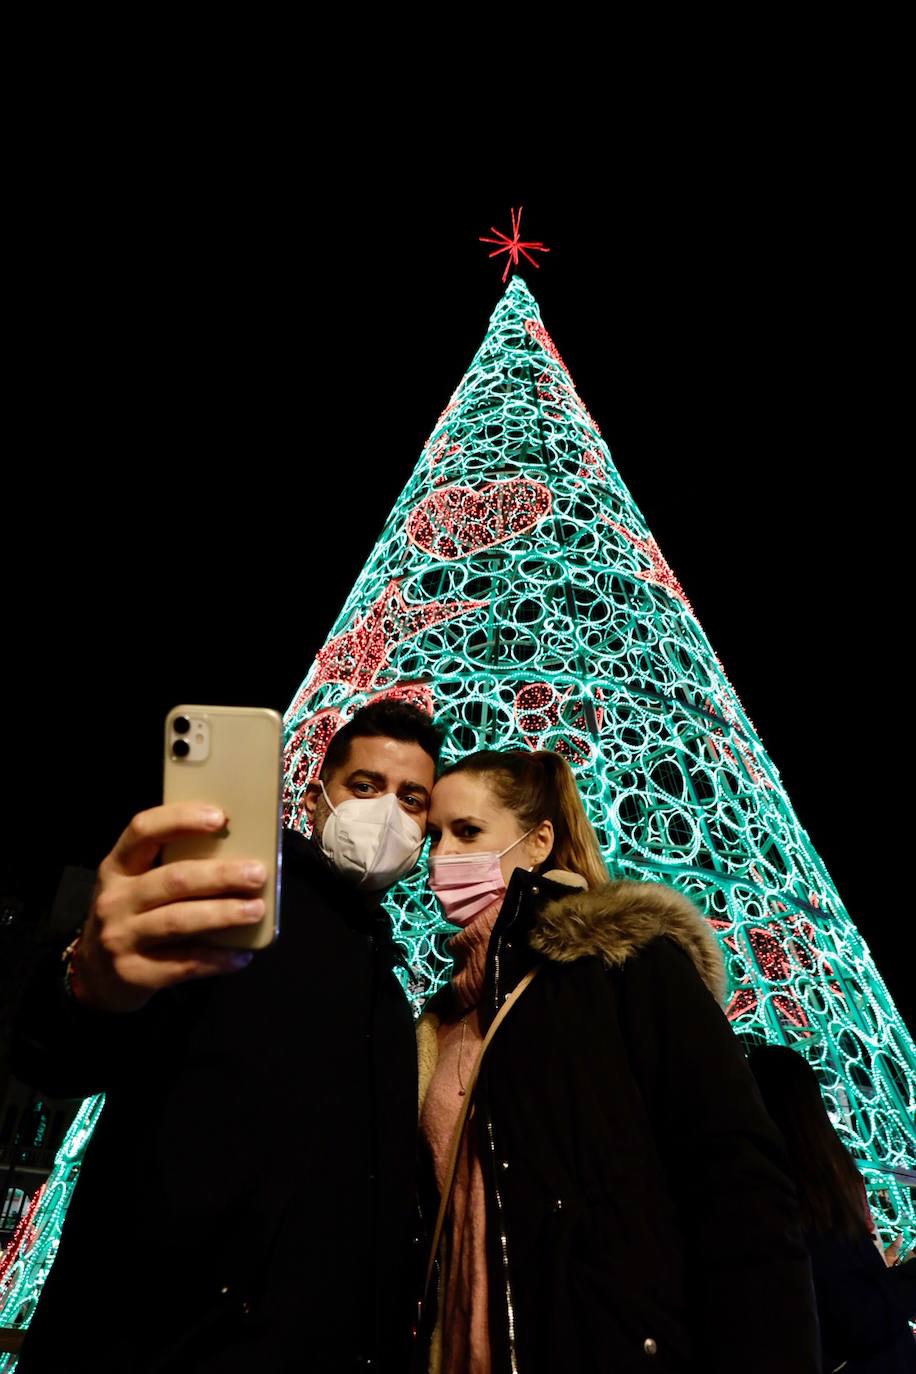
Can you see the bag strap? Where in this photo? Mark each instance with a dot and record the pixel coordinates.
(457, 1134)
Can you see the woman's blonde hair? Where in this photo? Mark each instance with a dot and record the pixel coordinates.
(539, 786)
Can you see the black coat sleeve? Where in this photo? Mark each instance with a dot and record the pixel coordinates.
(68, 1050)
(749, 1287)
(864, 1306)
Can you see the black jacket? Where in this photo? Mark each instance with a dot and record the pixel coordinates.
(864, 1307)
(247, 1199)
(640, 1215)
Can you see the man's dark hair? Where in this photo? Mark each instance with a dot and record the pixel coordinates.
(390, 718)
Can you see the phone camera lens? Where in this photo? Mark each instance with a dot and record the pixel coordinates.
(181, 725)
(181, 749)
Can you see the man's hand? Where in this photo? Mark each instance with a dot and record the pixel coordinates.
(145, 926)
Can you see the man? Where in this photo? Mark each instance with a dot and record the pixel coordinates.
(247, 1198)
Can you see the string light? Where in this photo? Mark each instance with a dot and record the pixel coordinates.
(356, 655)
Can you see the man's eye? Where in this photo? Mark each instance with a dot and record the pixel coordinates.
(411, 800)
(365, 785)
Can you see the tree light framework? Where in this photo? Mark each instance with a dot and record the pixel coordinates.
(517, 593)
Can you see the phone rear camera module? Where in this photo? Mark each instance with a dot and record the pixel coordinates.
(180, 749)
(181, 725)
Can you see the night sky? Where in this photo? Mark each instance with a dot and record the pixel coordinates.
(228, 372)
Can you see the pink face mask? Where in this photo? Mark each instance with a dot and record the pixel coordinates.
(466, 884)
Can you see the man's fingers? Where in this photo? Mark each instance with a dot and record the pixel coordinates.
(187, 879)
(138, 845)
(185, 920)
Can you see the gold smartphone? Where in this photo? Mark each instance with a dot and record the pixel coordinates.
(231, 757)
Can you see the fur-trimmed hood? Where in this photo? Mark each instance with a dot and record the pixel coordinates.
(615, 921)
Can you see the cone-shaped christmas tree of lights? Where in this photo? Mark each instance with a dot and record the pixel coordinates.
(518, 595)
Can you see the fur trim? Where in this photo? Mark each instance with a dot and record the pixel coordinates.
(614, 922)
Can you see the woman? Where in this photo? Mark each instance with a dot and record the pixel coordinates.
(863, 1305)
(620, 1198)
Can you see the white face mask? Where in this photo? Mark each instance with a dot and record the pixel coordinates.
(372, 842)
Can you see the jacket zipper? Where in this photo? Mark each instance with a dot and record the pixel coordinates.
(504, 1251)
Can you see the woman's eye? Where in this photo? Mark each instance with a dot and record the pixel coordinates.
(470, 831)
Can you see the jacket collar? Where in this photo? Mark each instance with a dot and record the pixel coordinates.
(361, 912)
(511, 954)
(541, 915)
(616, 921)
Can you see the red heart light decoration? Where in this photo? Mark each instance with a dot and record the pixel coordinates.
(456, 521)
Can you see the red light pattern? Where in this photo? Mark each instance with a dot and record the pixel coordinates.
(538, 707)
(457, 521)
(312, 738)
(538, 332)
(23, 1237)
(417, 694)
(592, 466)
(553, 390)
(659, 573)
(356, 656)
(721, 710)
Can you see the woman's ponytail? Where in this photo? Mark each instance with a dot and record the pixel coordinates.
(575, 845)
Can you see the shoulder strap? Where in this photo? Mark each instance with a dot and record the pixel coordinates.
(457, 1134)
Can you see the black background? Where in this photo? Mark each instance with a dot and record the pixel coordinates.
(232, 349)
